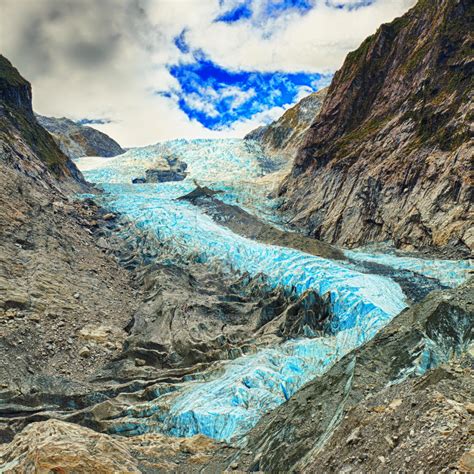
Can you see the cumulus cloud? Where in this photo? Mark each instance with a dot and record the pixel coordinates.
(111, 62)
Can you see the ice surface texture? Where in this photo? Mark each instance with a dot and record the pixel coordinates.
(233, 401)
(450, 273)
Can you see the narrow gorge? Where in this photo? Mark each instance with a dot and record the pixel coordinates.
(298, 300)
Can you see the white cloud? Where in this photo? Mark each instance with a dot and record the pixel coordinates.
(196, 102)
(317, 41)
(104, 58)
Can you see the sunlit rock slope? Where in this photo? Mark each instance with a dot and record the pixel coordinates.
(286, 134)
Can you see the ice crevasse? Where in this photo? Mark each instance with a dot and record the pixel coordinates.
(230, 403)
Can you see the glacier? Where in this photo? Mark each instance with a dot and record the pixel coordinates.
(232, 399)
(450, 273)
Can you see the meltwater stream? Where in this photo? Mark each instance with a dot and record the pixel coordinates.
(232, 402)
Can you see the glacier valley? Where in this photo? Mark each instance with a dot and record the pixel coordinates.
(227, 402)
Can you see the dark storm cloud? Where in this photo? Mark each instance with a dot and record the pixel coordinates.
(85, 53)
(53, 34)
(33, 46)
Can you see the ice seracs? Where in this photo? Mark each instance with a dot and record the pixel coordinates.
(234, 399)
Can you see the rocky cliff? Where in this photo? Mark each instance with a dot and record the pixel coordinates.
(388, 157)
(286, 133)
(54, 279)
(24, 145)
(77, 140)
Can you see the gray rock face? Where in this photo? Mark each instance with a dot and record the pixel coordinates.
(78, 140)
(286, 133)
(387, 157)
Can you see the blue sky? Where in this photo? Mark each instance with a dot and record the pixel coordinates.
(218, 97)
(149, 70)
(248, 9)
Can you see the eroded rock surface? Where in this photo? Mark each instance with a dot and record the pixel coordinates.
(54, 278)
(388, 157)
(56, 446)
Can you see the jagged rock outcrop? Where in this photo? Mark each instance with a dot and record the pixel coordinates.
(76, 140)
(192, 315)
(389, 156)
(56, 446)
(372, 405)
(286, 133)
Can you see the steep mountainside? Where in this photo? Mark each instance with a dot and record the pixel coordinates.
(388, 157)
(24, 144)
(286, 133)
(78, 140)
(54, 278)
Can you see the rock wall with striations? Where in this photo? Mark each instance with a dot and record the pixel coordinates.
(388, 157)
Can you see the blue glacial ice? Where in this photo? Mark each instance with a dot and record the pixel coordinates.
(450, 273)
(230, 165)
(231, 402)
(229, 405)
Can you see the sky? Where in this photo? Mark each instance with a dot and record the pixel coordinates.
(143, 71)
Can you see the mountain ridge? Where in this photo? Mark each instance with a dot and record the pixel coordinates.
(24, 144)
(76, 140)
(285, 133)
